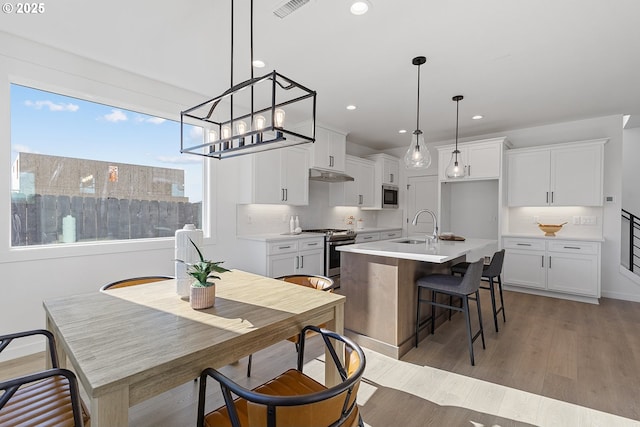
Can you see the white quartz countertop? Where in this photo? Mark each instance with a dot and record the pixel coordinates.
(275, 237)
(556, 237)
(443, 251)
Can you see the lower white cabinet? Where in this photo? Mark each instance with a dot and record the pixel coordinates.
(566, 266)
(300, 256)
(391, 234)
(367, 237)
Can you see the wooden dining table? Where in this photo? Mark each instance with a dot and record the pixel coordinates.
(130, 344)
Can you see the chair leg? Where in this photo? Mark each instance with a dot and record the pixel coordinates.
(479, 317)
(433, 313)
(249, 365)
(465, 305)
(504, 317)
(418, 315)
(450, 305)
(493, 303)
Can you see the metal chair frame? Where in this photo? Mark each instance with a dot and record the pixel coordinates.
(348, 383)
(472, 278)
(10, 387)
(493, 270)
(134, 281)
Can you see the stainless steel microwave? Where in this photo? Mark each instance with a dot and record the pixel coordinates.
(389, 196)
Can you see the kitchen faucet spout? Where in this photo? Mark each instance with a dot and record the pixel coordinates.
(435, 222)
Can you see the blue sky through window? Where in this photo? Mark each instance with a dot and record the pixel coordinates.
(48, 123)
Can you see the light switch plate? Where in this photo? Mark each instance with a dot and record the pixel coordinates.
(589, 220)
(576, 220)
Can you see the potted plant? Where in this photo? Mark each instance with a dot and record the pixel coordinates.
(202, 292)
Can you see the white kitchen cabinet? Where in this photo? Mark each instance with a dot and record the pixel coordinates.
(557, 175)
(276, 177)
(301, 256)
(391, 234)
(386, 172)
(329, 150)
(360, 191)
(481, 159)
(367, 237)
(387, 169)
(564, 266)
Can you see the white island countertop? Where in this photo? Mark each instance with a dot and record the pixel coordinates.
(443, 251)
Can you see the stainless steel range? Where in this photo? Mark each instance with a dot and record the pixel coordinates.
(333, 238)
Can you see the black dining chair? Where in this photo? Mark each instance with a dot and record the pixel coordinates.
(490, 273)
(49, 397)
(466, 288)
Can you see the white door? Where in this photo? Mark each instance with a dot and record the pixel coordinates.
(421, 194)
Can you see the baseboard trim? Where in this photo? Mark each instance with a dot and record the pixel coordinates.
(544, 293)
(15, 351)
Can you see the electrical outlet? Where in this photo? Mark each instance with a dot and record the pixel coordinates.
(536, 219)
(576, 220)
(589, 220)
(249, 220)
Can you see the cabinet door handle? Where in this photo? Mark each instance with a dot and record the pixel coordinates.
(523, 244)
(331, 161)
(301, 261)
(312, 244)
(297, 262)
(552, 197)
(542, 257)
(286, 194)
(367, 238)
(391, 176)
(284, 247)
(469, 170)
(282, 196)
(547, 197)
(549, 263)
(572, 247)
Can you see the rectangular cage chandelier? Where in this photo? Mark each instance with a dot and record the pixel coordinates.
(252, 116)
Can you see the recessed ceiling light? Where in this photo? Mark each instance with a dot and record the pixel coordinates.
(360, 7)
(477, 117)
(351, 107)
(402, 131)
(258, 64)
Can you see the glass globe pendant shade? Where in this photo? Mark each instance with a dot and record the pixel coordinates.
(456, 168)
(417, 155)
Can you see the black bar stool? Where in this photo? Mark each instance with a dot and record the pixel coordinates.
(454, 286)
(489, 273)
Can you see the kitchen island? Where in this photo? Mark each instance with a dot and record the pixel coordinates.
(378, 279)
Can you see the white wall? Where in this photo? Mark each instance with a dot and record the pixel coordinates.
(30, 275)
(630, 171)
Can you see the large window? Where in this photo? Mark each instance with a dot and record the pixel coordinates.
(83, 171)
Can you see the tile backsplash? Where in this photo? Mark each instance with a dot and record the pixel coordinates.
(582, 221)
(260, 219)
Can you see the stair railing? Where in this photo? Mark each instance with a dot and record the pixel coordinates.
(634, 234)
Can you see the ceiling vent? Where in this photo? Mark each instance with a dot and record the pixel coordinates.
(287, 7)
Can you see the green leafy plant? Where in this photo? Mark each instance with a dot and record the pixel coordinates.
(203, 269)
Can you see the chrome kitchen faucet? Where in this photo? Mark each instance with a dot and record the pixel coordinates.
(435, 222)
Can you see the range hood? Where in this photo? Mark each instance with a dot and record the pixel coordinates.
(328, 176)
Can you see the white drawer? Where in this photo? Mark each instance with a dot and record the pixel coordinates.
(518, 243)
(384, 235)
(282, 247)
(311, 244)
(367, 237)
(569, 246)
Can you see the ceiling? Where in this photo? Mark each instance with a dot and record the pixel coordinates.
(518, 63)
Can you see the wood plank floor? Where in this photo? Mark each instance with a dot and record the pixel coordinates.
(553, 363)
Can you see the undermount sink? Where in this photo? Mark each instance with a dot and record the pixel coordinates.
(411, 241)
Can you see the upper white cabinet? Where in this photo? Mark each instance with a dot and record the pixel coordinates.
(557, 175)
(276, 177)
(387, 172)
(360, 191)
(481, 159)
(387, 169)
(329, 150)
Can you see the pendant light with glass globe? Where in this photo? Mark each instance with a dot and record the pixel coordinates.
(456, 167)
(417, 156)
